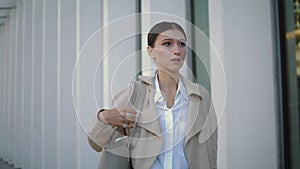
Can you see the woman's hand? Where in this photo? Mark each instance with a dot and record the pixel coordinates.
(123, 117)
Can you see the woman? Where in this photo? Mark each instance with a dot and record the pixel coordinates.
(176, 127)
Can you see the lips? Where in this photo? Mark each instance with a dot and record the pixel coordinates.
(176, 59)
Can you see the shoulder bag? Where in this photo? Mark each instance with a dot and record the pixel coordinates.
(111, 160)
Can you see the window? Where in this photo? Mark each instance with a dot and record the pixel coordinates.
(201, 64)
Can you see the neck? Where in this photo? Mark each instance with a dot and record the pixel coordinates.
(167, 82)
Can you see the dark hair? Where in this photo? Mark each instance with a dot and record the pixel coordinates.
(161, 27)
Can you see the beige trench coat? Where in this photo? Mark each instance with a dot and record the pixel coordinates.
(201, 129)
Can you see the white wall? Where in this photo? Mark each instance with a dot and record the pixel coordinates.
(40, 43)
(42, 39)
(242, 32)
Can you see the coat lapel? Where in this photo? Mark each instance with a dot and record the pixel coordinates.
(196, 110)
(196, 114)
(196, 118)
(149, 119)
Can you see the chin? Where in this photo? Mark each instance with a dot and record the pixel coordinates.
(171, 69)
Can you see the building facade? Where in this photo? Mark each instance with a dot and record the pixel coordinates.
(62, 60)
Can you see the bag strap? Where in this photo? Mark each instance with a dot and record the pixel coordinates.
(137, 101)
(138, 95)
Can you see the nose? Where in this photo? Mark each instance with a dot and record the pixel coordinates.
(176, 50)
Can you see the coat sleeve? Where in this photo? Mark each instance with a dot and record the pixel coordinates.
(213, 132)
(213, 140)
(214, 149)
(102, 134)
(210, 133)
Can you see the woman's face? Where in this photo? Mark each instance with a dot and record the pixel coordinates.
(169, 50)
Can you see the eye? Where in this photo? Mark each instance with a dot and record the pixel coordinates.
(182, 44)
(167, 43)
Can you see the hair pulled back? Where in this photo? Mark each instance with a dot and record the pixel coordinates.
(161, 27)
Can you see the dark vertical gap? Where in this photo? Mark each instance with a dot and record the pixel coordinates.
(287, 134)
(200, 20)
(138, 8)
(282, 84)
(192, 5)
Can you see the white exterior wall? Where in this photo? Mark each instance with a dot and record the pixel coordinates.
(39, 45)
(242, 32)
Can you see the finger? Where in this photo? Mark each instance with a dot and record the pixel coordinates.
(127, 125)
(128, 122)
(123, 114)
(131, 119)
(129, 110)
(123, 121)
(127, 131)
(124, 125)
(128, 115)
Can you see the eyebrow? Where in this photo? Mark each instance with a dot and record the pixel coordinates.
(163, 39)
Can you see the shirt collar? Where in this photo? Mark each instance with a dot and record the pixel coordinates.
(158, 97)
(191, 87)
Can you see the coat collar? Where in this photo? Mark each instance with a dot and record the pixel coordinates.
(191, 88)
(195, 119)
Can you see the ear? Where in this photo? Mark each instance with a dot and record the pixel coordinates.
(150, 52)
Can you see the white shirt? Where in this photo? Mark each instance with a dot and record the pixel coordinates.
(173, 123)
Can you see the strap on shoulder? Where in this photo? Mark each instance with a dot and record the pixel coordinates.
(138, 95)
(137, 101)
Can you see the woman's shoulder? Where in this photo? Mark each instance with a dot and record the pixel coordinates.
(203, 89)
(134, 86)
(193, 87)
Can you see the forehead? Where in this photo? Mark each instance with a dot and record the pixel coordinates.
(171, 34)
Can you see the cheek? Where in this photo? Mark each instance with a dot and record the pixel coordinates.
(162, 57)
(163, 53)
(183, 53)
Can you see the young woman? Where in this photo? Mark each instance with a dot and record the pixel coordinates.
(177, 126)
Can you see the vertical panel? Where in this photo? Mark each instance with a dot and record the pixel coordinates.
(120, 48)
(122, 44)
(32, 86)
(76, 86)
(6, 102)
(8, 88)
(50, 77)
(58, 83)
(1, 92)
(23, 112)
(20, 96)
(145, 27)
(43, 147)
(251, 120)
(2, 89)
(174, 8)
(15, 151)
(218, 89)
(27, 84)
(68, 118)
(90, 20)
(6, 93)
(37, 83)
(12, 84)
